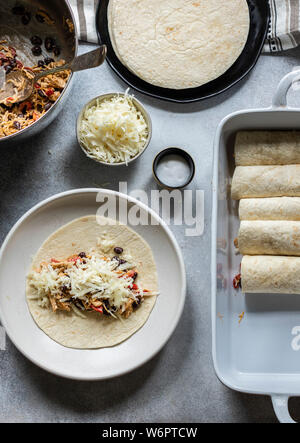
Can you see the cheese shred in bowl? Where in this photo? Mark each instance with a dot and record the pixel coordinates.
(113, 130)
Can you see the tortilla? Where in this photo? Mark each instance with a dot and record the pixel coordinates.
(94, 331)
(266, 181)
(270, 275)
(267, 148)
(269, 238)
(278, 208)
(178, 44)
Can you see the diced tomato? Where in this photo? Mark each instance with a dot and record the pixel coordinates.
(100, 310)
(19, 64)
(237, 281)
(49, 92)
(134, 287)
(27, 104)
(73, 259)
(37, 86)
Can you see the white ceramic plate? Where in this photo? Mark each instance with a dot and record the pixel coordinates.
(22, 243)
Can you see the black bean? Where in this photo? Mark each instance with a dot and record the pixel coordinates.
(56, 51)
(65, 288)
(106, 304)
(79, 304)
(36, 50)
(118, 250)
(48, 60)
(41, 63)
(40, 18)
(26, 18)
(8, 69)
(136, 303)
(48, 106)
(49, 43)
(13, 63)
(119, 260)
(135, 276)
(16, 125)
(18, 10)
(36, 40)
(41, 93)
(82, 255)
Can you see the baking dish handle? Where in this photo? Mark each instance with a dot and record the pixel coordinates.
(280, 97)
(281, 408)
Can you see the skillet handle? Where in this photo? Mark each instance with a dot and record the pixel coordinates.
(280, 97)
(281, 408)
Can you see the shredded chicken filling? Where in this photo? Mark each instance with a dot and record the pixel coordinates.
(17, 116)
(89, 283)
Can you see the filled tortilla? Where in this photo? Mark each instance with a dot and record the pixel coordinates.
(92, 284)
(178, 44)
(267, 148)
(270, 274)
(277, 208)
(269, 237)
(266, 181)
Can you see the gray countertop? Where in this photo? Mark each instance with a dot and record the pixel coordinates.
(179, 384)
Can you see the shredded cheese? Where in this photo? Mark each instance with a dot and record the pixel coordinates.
(113, 130)
(96, 276)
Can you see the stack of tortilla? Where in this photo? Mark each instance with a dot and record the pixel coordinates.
(267, 183)
(178, 44)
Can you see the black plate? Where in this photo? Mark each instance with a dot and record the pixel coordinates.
(259, 20)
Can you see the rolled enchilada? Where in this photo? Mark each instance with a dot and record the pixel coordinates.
(270, 274)
(267, 148)
(277, 208)
(266, 181)
(269, 238)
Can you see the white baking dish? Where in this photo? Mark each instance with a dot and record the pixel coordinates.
(258, 355)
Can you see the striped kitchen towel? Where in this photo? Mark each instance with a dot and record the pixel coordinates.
(283, 33)
(84, 12)
(284, 27)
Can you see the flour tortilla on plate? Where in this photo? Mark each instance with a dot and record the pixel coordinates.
(265, 181)
(277, 208)
(270, 275)
(267, 148)
(269, 238)
(178, 44)
(95, 331)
